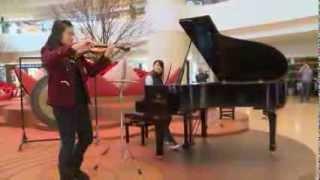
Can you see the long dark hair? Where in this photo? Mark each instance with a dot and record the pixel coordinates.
(161, 63)
(59, 26)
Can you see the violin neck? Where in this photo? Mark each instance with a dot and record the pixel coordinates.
(123, 48)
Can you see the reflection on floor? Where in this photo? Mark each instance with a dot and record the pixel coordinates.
(243, 156)
(296, 120)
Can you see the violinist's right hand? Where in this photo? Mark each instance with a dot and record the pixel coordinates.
(83, 46)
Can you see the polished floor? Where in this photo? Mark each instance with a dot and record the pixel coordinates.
(296, 120)
(242, 156)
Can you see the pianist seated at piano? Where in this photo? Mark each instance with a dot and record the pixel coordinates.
(155, 79)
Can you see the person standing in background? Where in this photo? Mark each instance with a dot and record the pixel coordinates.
(306, 75)
(202, 76)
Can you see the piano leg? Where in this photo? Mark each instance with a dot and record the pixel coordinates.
(159, 137)
(187, 127)
(203, 117)
(272, 116)
(190, 129)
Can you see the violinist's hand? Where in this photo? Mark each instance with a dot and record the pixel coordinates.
(83, 46)
(108, 51)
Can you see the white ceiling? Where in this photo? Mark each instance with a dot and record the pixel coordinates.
(27, 9)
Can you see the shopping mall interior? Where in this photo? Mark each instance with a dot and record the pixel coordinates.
(254, 117)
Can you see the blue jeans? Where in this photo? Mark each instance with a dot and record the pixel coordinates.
(166, 132)
(305, 91)
(73, 122)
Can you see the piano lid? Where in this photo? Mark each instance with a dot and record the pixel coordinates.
(234, 59)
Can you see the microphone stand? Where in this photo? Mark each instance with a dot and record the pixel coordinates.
(96, 112)
(125, 152)
(22, 90)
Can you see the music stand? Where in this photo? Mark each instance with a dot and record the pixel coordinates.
(24, 138)
(96, 112)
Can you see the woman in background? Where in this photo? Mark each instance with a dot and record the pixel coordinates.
(155, 79)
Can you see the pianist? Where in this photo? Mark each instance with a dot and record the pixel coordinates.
(155, 79)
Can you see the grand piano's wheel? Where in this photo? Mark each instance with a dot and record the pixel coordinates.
(39, 96)
(273, 147)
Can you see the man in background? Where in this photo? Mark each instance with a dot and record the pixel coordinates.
(202, 76)
(306, 75)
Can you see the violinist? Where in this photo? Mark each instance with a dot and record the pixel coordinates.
(68, 71)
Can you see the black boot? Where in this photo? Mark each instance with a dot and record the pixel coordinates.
(66, 174)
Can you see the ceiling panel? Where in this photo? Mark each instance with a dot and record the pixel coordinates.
(26, 9)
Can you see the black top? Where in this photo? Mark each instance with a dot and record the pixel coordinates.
(202, 77)
(157, 81)
(80, 91)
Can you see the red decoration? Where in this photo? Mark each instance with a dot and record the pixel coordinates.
(28, 81)
(104, 88)
(104, 85)
(174, 77)
(134, 89)
(7, 90)
(108, 68)
(141, 73)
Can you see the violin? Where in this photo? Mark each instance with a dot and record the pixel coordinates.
(95, 52)
(102, 47)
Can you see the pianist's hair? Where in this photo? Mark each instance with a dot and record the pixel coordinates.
(59, 26)
(161, 63)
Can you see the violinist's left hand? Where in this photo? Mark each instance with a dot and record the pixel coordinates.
(108, 51)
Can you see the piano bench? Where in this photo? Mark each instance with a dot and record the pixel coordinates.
(227, 112)
(194, 116)
(137, 119)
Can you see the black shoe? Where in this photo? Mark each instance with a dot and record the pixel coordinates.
(80, 175)
(67, 175)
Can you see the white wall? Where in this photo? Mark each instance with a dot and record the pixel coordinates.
(241, 13)
(297, 49)
(23, 42)
(297, 45)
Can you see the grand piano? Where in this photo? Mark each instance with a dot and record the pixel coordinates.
(250, 74)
